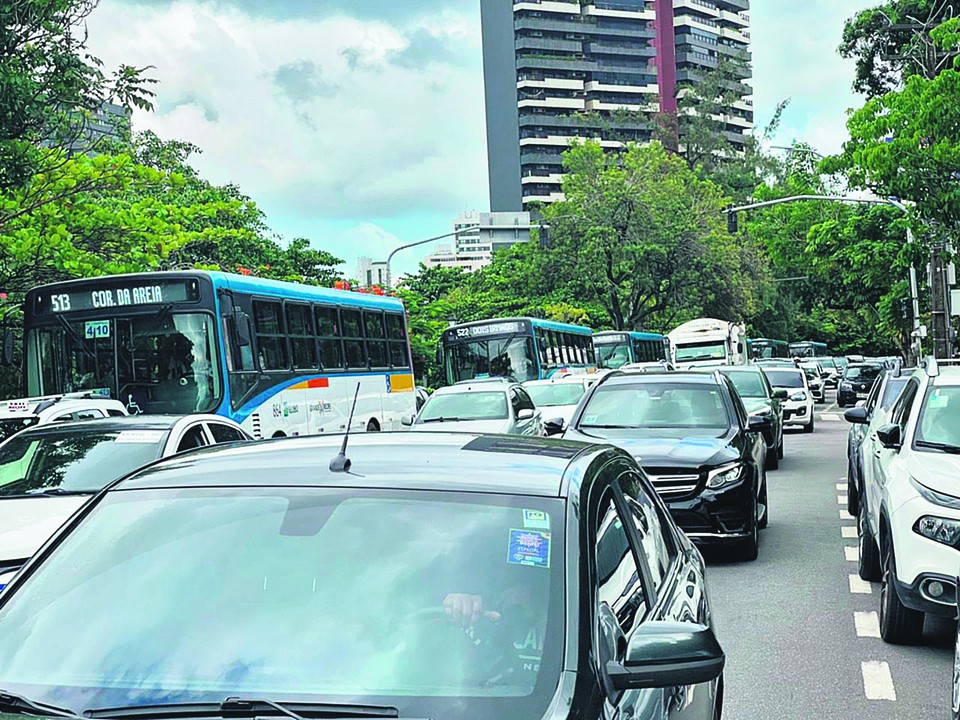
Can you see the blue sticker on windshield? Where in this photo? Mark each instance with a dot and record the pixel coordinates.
(529, 547)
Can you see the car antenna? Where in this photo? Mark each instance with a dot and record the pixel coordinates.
(341, 463)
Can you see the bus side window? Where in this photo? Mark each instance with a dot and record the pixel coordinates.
(329, 338)
(271, 338)
(397, 338)
(376, 339)
(302, 345)
(353, 343)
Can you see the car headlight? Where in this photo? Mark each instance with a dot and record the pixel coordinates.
(724, 475)
(799, 396)
(941, 530)
(846, 386)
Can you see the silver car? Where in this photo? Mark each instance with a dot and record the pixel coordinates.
(495, 406)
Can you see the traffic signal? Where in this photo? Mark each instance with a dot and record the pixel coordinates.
(906, 308)
(732, 223)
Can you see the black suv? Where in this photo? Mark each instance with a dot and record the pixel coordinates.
(703, 452)
(856, 382)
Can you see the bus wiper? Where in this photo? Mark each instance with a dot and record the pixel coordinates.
(246, 708)
(942, 447)
(19, 705)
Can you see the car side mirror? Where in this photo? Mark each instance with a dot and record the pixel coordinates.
(780, 394)
(525, 414)
(556, 426)
(759, 423)
(890, 436)
(667, 654)
(856, 415)
(407, 420)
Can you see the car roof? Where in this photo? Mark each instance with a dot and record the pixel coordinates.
(499, 464)
(736, 368)
(473, 386)
(130, 422)
(782, 368)
(682, 376)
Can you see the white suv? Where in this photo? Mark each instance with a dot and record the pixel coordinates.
(910, 506)
(798, 408)
(16, 415)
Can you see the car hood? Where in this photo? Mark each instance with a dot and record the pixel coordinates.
(668, 448)
(26, 523)
(465, 426)
(937, 471)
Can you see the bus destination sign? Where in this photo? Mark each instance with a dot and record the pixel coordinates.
(104, 298)
(476, 331)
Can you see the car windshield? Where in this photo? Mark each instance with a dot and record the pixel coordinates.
(73, 460)
(11, 425)
(701, 351)
(862, 372)
(656, 404)
(465, 406)
(748, 384)
(939, 420)
(784, 378)
(312, 594)
(555, 394)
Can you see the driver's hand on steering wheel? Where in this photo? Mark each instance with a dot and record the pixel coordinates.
(466, 610)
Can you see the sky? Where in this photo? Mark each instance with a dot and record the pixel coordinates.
(359, 124)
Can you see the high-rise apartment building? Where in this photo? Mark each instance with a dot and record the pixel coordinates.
(480, 235)
(555, 70)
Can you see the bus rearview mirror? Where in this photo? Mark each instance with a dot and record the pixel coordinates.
(241, 326)
(9, 343)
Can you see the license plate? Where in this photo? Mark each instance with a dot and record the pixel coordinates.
(862, 396)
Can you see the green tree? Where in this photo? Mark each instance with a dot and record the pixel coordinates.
(50, 84)
(891, 43)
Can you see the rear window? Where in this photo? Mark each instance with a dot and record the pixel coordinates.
(748, 384)
(656, 405)
(784, 378)
(862, 372)
(556, 394)
(465, 406)
(74, 461)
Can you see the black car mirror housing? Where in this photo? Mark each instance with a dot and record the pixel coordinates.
(759, 423)
(556, 426)
(668, 654)
(856, 415)
(780, 394)
(890, 436)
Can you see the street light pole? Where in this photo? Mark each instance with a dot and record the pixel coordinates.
(461, 231)
(914, 286)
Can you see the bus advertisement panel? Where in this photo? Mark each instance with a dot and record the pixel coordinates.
(518, 348)
(618, 348)
(279, 358)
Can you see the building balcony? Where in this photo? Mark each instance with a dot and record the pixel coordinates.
(550, 102)
(697, 6)
(605, 87)
(622, 50)
(563, 7)
(618, 10)
(555, 63)
(526, 42)
(553, 179)
(550, 84)
(737, 19)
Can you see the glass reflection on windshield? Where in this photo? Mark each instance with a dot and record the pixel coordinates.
(656, 405)
(297, 593)
(466, 406)
(510, 357)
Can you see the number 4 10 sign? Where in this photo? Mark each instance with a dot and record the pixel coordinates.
(97, 329)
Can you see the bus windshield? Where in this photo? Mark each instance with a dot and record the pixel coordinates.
(511, 356)
(613, 356)
(161, 363)
(702, 351)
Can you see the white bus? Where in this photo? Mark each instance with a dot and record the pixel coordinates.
(708, 341)
(279, 358)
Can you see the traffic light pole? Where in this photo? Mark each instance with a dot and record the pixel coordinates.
(940, 291)
(914, 284)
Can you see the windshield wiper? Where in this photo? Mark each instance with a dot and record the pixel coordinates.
(441, 419)
(609, 427)
(246, 708)
(943, 447)
(18, 704)
(60, 492)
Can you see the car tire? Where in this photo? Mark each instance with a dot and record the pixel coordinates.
(808, 428)
(764, 500)
(750, 548)
(840, 403)
(773, 459)
(780, 448)
(853, 495)
(868, 555)
(956, 677)
(899, 625)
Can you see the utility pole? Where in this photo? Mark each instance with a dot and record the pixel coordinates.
(940, 297)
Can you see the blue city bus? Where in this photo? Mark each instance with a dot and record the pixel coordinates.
(519, 348)
(279, 358)
(808, 349)
(617, 348)
(765, 349)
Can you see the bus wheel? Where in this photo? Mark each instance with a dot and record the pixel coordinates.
(373, 426)
(278, 434)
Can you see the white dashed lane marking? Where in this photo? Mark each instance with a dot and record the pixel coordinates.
(848, 532)
(860, 587)
(852, 554)
(844, 515)
(868, 624)
(842, 500)
(877, 681)
(841, 486)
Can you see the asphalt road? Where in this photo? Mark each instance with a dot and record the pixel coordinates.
(801, 637)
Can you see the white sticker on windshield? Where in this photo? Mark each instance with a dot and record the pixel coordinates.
(589, 419)
(146, 437)
(939, 401)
